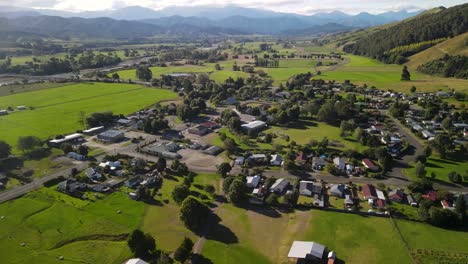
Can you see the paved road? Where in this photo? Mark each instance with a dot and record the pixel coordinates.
(18, 191)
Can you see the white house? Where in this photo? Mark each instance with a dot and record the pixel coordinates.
(306, 250)
(339, 163)
(252, 182)
(276, 160)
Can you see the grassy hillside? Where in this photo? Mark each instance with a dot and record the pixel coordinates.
(454, 46)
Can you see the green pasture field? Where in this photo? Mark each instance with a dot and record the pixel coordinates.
(29, 87)
(362, 70)
(59, 225)
(56, 110)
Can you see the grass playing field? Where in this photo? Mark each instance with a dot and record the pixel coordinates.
(441, 168)
(56, 110)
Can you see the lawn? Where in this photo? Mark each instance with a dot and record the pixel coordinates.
(56, 110)
(441, 168)
(435, 242)
(355, 238)
(52, 224)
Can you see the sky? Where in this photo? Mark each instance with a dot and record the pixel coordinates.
(289, 6)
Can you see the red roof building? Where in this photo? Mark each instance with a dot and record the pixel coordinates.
(380, 203)
(369, 164)
(431, 195)
(369, 192)
(210, 124)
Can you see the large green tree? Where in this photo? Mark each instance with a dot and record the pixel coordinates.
(193, 213)
(5, 150)
(142, 245)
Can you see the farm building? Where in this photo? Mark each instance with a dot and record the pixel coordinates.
(309, 188)
(254, 126)
(72, 139)
(304, 250)
(279, 186)
(111, 136)
(3, 112)
(21, 107)
(93, 131)
(125, 122)
(162, 150)
(213, 150)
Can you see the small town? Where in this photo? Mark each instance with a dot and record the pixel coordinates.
(316, 146)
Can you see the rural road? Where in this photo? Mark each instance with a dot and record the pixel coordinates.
(18, 191)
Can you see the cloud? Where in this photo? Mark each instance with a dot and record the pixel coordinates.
(296, 6)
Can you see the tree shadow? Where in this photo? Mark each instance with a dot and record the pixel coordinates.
(38, 154)
(443, 161)
(432, 165)
(266, 211)
(220, 232)
(200, 259)
(170, 177)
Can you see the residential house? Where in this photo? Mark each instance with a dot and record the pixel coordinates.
(369, 192)
(302, 250)
(337, 190)
(279, 186)
(132, 182)
(257, 158)
(276, 160)
(198, 130)
(380, 195)
(239, 161)
(101, 188)
(71, 187)
(172, 134)
(380, 204)
(318, 163)
(427, 134)
(348, 201)
(339, 163)
(136, 261)
(76, 156)
(113, 165)
(431, 195)
(93, 174)
(253, 181)
(447, 205)
(368, 164)
(349, 169)
(397, 195)
(309, 188)
(318, 200)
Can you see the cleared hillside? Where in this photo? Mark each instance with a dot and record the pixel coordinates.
(454, 46)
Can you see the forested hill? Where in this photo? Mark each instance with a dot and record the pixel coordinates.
(395, 43)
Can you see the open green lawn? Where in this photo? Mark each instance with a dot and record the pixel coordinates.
(56, 110)
(355, 238)
(441, 168)
(52, 224)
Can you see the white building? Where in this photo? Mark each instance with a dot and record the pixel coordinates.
(306, 250)
(252, 182)
(276, 160)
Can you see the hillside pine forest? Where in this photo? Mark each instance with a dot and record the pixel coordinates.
(220, 134)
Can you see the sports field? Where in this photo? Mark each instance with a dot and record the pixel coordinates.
(56, 110)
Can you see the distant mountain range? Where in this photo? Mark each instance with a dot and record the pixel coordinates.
(209, 20)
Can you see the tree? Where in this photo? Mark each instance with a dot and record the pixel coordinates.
(66, 147)
(236, 191)
(420, 170)
(83, 150)
(227, 184)
(292, 198)
(164, 259)
(460, 207)
(272, 200)
(230, 146)
(183, 252)
(413, 89)
(5, 150)
(180, 192)
(405, 74)
(446, 123)
(142, 245)
(224, 168)
(115, 76)
(442, 217)
(455, 177)
(193, 213)
(28, 143)
(161, 164)
(144, 73)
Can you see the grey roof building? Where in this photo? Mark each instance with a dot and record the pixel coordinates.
(309, 188)
(111, 136)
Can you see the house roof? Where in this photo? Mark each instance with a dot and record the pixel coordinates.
(67, 138)
(431, 195)
(280, 183)
(311, 186)
(380, 203)
(111, 133)
(136, 261)
(302, 249)
(369, 190)
(368, 163)
(254, 124)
